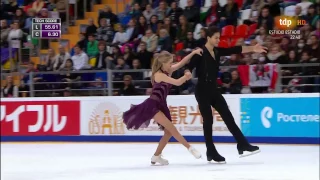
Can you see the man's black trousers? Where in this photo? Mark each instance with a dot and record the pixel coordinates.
(209, 96)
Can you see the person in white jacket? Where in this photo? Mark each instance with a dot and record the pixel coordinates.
(61, 58)
(80, 59)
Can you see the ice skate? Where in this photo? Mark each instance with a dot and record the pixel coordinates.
(194, 152)
(251, 150)
(213, 155)
(159, 159)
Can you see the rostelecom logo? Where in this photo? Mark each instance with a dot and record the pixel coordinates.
(288, 23)
(106, 118)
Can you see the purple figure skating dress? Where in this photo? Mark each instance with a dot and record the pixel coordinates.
(139, 116)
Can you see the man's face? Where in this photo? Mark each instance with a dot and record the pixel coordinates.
(265, 12)
(3, 23)
(214, 40)
(313, 40)
(190, 2)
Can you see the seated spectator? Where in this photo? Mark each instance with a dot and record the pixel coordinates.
(91, 28)
(68, 77)
(141, 27)
(136, 11)
(174, 14)
(311, 17)
(234, 86)
(92, 46)
(151, 40)
(170, 28)
(130, 30)
(230, 14)
(298, 15)
(120, 37)
(256, 8)
(9, 90)
(15, 33)
(162, 11)
(128, 88)
(38, 5)
(19, 17)
(262, 36)
(10, 9)
(128, 55)
(144, 56)
(5, 30)
(51, 6)
(301, 45)
(105, 32)
(116, 52)
(192, 12)
(108, 15)
(148, 12)
(275, 55)
(102, 59)
(203, 38)
(25, 81)
(306, 32)
(82, 43)
(189, 44)
(165, 42)
(305, 6)
(213, 14)
(154, 23)
(121, 65)
(28, 22)
(183, 28)
(80, 59)
(44, 13)
(50, 60)
(136, 65)
(265, 20)
(314, 48)
(273, 7)
(286, 44)
(61, 58)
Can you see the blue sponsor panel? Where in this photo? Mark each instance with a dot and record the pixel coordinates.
(281, 117)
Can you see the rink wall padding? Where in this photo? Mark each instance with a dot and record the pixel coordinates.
(195, 139)
(263, 118)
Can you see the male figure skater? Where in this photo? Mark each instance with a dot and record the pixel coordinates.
(207, 93)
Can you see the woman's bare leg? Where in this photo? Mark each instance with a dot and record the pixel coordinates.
(167, 124)
(163, 142)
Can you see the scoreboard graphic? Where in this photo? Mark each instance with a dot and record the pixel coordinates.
(46, 28)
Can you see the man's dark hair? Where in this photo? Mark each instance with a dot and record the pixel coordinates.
(212, 30)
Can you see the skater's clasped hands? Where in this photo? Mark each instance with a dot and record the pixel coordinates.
(188, 75)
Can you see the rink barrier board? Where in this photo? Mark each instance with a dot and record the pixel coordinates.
(152, 136)
(197, 139)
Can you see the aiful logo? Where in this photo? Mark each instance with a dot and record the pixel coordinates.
(288, 23)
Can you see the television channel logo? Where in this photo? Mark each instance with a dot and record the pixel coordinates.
(280, 117)
(288, 23)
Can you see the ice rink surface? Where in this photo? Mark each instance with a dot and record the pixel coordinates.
(112, 161)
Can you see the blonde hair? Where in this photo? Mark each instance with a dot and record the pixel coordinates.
(159, 59)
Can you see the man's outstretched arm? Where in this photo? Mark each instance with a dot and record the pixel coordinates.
(241, 50)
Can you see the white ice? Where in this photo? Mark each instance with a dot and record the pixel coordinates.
(112, 161)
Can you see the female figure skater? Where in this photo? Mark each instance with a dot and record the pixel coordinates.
(155, 107)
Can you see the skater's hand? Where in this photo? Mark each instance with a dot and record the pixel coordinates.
(188, 75)
(260, 49)
(198, 51)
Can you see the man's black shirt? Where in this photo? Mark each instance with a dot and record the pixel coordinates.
(207, 67)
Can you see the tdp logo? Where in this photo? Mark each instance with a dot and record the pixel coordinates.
(289, 22)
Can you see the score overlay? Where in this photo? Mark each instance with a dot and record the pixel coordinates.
(46, 28)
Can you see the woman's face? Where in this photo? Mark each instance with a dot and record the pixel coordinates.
(68, 63)
(135, 63)
(120, 61)
(18, 12)
(148, 7)
(162, 5)
(305, 56)
(167, 21)
(115, 50)
(162, 34)
(50, 51)
(285, 41)
(262, 31)
(292, 54)
(154, 19)
(142, 20)
(44, 13)
(202, 33)
(126, 49)
(181, 20)
(274, 50)
(9, 79)
(173, 5)
(234, 75)
(136, 7)
(102, 47)
(311, 10)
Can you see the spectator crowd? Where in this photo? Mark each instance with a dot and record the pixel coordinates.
(129, 40)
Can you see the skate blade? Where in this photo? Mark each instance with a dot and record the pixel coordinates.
(249, 154)
(215, 162)
(158, 164)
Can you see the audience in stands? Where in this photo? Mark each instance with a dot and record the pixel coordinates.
(9, 90)
(151, 26)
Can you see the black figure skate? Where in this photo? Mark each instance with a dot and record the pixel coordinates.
(213, 154)
(249, 148)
